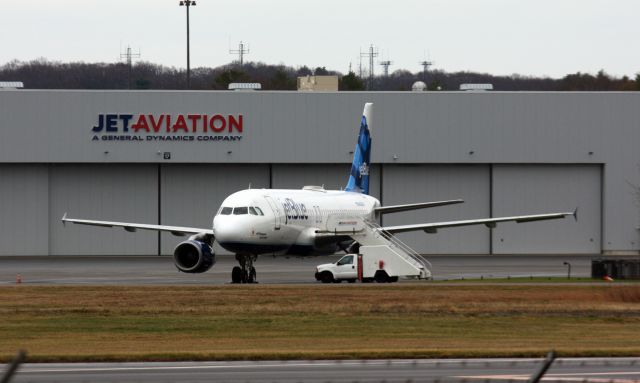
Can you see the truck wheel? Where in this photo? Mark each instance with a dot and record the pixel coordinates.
(367, 280)
(393, 279)
(351, 280)
(326, 277)
(381, 276)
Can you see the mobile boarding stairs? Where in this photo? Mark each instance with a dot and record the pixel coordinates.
(381, 250)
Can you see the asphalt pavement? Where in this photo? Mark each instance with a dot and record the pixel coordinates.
(419, 370)
(141, 270)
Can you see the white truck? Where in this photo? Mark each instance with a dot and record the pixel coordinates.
(354, 267)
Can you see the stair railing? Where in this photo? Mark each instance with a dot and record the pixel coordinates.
(395, 241)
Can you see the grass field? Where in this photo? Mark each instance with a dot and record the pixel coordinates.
(316, 321)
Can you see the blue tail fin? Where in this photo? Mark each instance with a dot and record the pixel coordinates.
(359, 178)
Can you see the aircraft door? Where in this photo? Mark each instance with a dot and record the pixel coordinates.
(318, 214)
(276, 212)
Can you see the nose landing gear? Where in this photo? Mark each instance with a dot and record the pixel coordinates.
(245, 273)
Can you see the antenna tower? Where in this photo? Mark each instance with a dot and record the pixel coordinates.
(129, 56)
(241, 51)
(371, 54)
(425, 67)
(385, 66)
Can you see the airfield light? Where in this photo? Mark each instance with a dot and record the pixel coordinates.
(188, 4)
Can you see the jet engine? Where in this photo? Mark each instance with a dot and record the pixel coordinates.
(193, 256)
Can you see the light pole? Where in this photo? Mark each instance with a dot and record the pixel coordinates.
(569, 269)
(188, 4)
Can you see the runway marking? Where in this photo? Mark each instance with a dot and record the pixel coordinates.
(246, 366)
(449, 362)
(27, 369)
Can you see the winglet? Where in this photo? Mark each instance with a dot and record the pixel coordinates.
(575, 214)
(64, 219)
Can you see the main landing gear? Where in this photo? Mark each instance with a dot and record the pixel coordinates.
(245, 273)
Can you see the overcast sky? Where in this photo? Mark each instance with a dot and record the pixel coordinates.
(528, 37)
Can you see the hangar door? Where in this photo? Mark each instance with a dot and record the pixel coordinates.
(24, 208)
(536, 189)
(111, 192)
(421, 183)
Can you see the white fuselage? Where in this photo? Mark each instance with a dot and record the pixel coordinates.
(273, 221)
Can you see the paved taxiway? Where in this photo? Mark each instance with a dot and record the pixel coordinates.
(160, 270)
(421, 370)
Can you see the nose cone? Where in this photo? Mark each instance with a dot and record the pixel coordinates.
(227, 228)
(235, 233)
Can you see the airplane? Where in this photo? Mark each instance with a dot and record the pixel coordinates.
(293, 221)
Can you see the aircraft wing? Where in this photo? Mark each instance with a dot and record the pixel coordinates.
(414, 206)
(175, 230)
(489, 222)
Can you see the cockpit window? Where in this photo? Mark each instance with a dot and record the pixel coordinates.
(252, 210)
(259, 211)
(226, 210)
(240, 210)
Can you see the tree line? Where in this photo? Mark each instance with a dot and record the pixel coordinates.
(44, 74)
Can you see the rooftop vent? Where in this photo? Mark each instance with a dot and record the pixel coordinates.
(245, 86)
(11, 85)
(476, 87)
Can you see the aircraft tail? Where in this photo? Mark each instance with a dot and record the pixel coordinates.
(359, 178)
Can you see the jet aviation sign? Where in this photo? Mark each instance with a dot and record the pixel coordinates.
(167, 127)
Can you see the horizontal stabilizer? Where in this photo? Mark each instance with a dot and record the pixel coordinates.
(414, 206)
(432, 228)
(132, 227)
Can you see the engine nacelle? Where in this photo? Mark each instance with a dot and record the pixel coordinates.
(193, 256)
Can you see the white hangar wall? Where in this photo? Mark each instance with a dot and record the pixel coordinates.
(504, 153)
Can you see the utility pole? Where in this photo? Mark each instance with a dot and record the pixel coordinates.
(188, 4)
(241, 51)
(129, 56)
(371, 54)
(425, 67)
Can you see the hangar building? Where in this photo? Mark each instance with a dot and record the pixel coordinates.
(171, 157)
